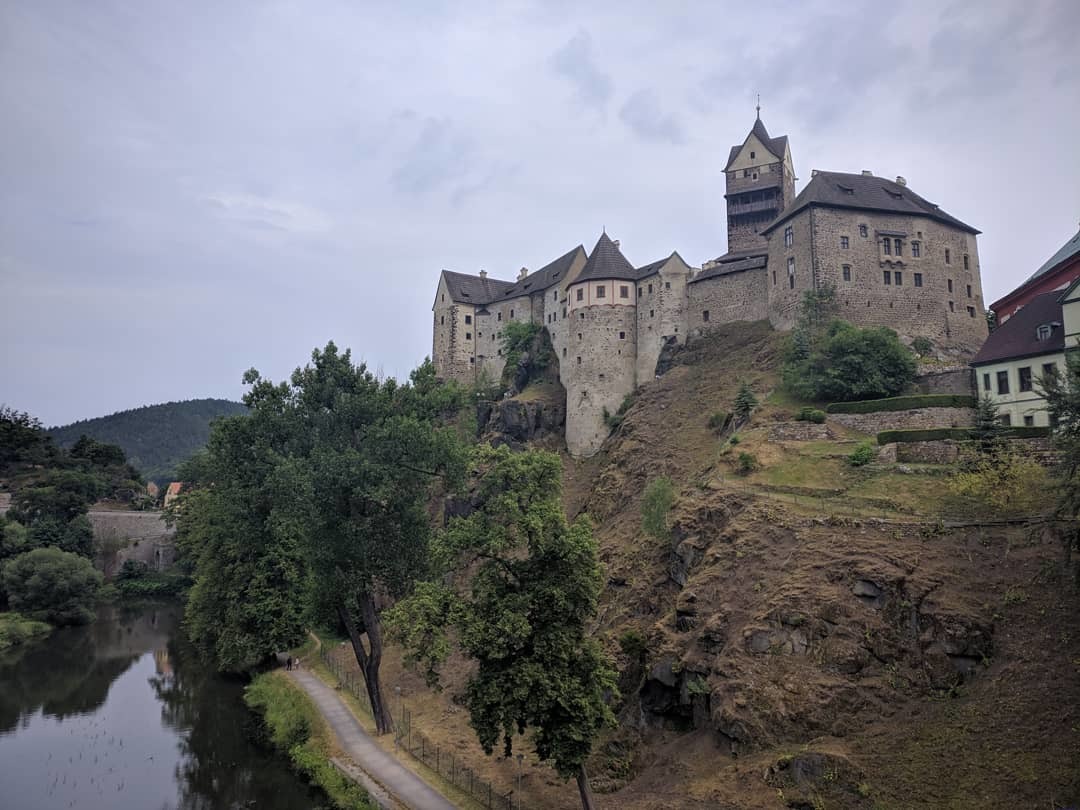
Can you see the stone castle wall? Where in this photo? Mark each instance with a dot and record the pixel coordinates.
(731, 297)
(912, 419)
(661, 313)
(786, 288)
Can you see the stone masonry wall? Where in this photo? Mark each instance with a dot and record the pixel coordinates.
(661, 313)
(947, 381)
(732, 297)
(783, 298)
(913, 419)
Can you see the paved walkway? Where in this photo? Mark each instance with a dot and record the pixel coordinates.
(403, 784)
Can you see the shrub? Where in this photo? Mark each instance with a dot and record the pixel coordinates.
(132, 569)
(903, 403)
(53, 585)
(745, 402)
(1005, 483)
(719, 420)
(655, 506)
(16, 630)
(811, 415)
(863, 453)
(922, 346)
(154, 585)
(613, 420)
(734, 439)
(746, 464)
(632, 643)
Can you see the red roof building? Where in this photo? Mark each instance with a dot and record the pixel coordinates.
(1057, 273)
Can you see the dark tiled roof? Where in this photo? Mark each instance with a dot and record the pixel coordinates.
(1017, 336)
(473, 289)
(775, 145)
(732, 255)
(653, 267)
(1067, 251)
(549, 274)
(736, 266)
(607, 261)
(867, 193)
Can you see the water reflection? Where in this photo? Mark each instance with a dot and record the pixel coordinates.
(122, 714)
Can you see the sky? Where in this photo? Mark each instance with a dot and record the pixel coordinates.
(189, 190)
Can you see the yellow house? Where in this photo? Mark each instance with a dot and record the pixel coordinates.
(1024, 348)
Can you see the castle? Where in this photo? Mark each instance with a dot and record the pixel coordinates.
(894, 259)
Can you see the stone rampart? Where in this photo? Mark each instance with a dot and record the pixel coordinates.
(913, 419)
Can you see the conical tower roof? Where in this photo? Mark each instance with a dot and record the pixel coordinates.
(607, 261)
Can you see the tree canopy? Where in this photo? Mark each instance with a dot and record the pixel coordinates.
(53, 585)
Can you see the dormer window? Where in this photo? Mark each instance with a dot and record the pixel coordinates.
(753, 155)
(1044, 331)
(846, 189)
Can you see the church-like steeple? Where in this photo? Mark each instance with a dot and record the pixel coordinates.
(760, 184)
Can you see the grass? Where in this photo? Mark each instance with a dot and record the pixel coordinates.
(295, 726)
(16, 629)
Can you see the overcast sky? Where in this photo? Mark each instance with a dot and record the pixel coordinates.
(189, 189)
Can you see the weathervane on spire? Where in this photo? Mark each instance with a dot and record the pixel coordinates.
(759, 106)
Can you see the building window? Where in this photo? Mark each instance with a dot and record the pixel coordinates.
(915, 247)
(624, 291)
(579, 360)
(918, 279)
(498, 317)
(705, 316)
(511, 314)
(886, 246)
(580, 294)
(442, 320)
(950, 284)
(579, 335)
(774, 278)
(898, 247)
(952, 307)
(564, 312)
(667, 285)
(863, 232)
(1025, 378)
(1044, 331)
(969, 291)
(650, 313)
(622, 335)
(971, 311)
(564, 351)
(1049, 369)
(986, 382)
(582, 316)
(472, 360)
(1006, 420)
(844, 243)
(886, 276)
(789, 236)
(791, 282)
(948, 256)
(468, 335)
(1029, 421)
(898, 278)
(752, 155)
(650, 289)
(468, 319)
(640, 292)
(1003, 382)
(846, 270)
(967, 262)
(600, 291)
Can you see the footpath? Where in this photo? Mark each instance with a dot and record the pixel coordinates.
(404, 785)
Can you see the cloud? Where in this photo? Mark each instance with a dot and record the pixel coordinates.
(643, 115)
(267, 213)
(574, 61)
(438, 158)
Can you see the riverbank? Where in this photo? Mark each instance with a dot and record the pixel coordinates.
(16, 629)
(296, 727)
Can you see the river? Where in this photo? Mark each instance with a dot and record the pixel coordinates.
(123, 715)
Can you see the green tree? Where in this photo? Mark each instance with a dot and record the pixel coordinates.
(850, 363)
(745, 402)
(22, 439)
(522, 618)
(1061, 389)
(656, 505)
(987, 429)
(359, 457)
(50, 584)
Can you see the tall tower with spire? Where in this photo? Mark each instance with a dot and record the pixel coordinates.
(760, 182)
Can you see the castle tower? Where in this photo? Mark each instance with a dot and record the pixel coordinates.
(760, 185)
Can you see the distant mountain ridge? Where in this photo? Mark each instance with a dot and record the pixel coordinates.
(156, 438)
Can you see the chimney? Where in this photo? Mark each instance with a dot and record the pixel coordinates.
(615, 242)
(483, 274)
(524, 271)
(900, 181)
(867, 173)
(813, 172)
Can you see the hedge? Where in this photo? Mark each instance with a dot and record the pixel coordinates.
(961, 434)
(903, 403)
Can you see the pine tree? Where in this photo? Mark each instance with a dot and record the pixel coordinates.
(745, 402)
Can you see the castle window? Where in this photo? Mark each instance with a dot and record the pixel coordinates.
(640, 291)
(844, 243)
(969, 291)
(754, 176)
(511, 313)
(624, 291)
(1003, 382)
(579, 360)
(468, 319)
(601, 377)
(564, 312)
(948, 256)
(564, 351)
(651, 313)
(915, 247)
(582, 315)
(847, 272)
(667, 285)
(986, 382)
(472, 360)
(886, 246)
(898, 278)
(967, 262)
(650, 289)
(918, 279)
(705, 316)
(774, 278)
(498, 317)
(580, 294)
(579, 335)
(887, 276)
(863, 232)
(1025, 377)
(950, 284)
(622, 335)
(745, 172)
(442, 320)
(898, 247)
(952, 307)
(789, 236)
(468, 335)
(555, 295)
(752, 155)
(1029, 421)
(599, 290)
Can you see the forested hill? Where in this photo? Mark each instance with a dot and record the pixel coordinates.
(155, 437)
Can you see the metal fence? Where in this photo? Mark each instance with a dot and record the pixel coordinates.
(446, 763)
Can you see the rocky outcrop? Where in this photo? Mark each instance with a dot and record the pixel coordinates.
(514, 422)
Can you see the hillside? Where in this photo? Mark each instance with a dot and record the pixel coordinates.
(156, 438)
(812, 635)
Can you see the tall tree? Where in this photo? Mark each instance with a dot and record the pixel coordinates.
(1062, 392)
(522, 616)
(362, 457)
